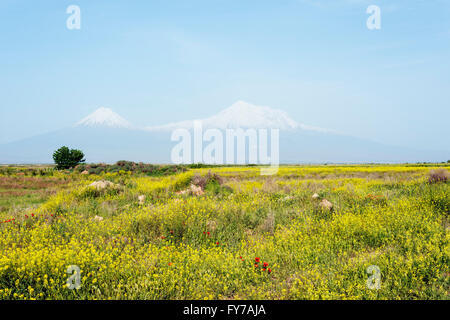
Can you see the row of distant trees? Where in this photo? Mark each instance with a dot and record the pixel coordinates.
(66, 158)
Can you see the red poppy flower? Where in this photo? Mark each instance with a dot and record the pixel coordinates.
(208, 233)
(217, 242)
(265, 264)
(32, 214)
(269, 271)
(257, 260)
(256, 265)
(264, 269)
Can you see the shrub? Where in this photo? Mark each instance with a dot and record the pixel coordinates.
(438, 175)
(209, 178)
(129, 166)
(211, 183)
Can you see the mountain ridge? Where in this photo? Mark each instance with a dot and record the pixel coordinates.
(243, 115)
(105, 136)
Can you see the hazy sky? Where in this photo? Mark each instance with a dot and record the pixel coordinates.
(155, 62)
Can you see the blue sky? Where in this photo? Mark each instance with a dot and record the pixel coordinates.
(155, 62)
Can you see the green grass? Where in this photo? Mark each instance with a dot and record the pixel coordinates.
(178, 245)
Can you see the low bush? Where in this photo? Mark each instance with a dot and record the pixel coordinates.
(438, 175)
(129, 166)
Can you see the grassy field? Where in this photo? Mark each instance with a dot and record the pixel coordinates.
(226, 233)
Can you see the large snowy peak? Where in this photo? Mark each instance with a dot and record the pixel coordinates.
(243, 115)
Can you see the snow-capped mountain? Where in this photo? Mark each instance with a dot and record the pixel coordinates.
(239, 115)
(105, 136)
(243, 115)
(104, 117)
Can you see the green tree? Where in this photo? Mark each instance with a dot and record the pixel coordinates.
(66, 158)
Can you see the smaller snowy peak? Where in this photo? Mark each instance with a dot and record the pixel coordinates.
(104, 117)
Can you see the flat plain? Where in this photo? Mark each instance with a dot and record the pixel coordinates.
(307, 232)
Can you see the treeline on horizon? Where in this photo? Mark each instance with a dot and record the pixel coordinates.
(161, 169)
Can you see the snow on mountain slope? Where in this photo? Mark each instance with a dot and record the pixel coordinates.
(243, 115)
(104, 117)
(239, 115)
(246, 115)
(105, 136)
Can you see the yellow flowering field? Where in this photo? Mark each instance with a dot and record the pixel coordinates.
(307, 232)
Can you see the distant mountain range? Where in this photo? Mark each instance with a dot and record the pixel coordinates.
(105, 136)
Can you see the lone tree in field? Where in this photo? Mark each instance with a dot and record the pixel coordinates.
(66, 158)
